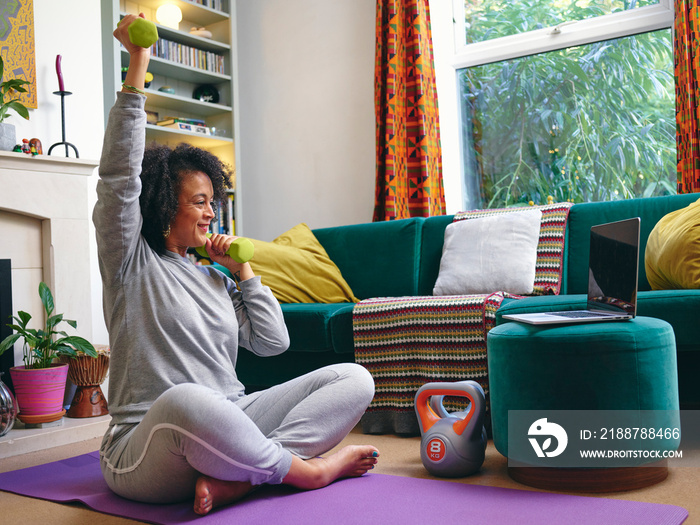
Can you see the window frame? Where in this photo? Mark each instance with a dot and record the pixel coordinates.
(557, 36)
(456, 56)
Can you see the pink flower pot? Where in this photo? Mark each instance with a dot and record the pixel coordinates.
(40, 392)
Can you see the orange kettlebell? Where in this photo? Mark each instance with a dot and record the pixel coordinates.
(452, 445)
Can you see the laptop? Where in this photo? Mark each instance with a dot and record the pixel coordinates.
(613, 267)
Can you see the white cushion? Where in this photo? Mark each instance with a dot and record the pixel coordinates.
(490, 254)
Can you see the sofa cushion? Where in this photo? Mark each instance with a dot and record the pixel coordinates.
(550, 250)
(493, 253)
(297, 269)
(677, 307)
(433, 236)
(585, 215)
(311, 326)
(672, 256)
(378, 259)
(257, 372)
(341, 331)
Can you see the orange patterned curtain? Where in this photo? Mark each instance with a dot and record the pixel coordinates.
(687, 67)
(409, 158)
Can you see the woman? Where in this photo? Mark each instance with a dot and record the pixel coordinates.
(182, 426)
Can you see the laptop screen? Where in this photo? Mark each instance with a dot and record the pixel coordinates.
(613, 266)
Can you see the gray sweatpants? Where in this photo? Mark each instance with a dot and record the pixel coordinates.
(192, 430)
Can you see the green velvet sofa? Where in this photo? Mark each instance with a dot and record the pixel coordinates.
(402, 258)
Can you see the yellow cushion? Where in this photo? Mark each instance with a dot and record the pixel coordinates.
(298, 270)
(672, 258)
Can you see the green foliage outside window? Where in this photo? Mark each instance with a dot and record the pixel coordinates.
(489, 19)
(587, 123)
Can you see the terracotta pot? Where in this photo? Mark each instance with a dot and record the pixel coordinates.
(88, 373)
(40, 392)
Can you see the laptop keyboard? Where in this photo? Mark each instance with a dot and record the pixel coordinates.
(578, 314)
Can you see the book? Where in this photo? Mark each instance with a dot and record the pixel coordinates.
(151, 117)
(189, 56)
(184, 126)
(167, 121)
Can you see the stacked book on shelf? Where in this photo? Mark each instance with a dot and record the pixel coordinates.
(189, 56)
(224, 222)
(185, 124)
(213, 4)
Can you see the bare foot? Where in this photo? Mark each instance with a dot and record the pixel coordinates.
(314, 473)
(210, 493)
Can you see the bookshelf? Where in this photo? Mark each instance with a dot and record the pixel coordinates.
(183, 62)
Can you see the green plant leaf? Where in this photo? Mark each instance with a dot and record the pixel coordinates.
(24, 318)
(46, 298)
(60, 335)
(66, 350)
(17, 328)
(20, 109)
(80, 344)
(16, 84)
(31, 338)
(53, 321)
(8, 342)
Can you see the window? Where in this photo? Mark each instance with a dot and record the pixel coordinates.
(568, 99)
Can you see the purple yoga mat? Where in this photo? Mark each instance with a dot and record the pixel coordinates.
(373, 498)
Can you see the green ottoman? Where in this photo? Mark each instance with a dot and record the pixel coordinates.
(627, 365)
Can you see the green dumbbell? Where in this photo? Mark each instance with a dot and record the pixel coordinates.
(142, 32)
(241, 250)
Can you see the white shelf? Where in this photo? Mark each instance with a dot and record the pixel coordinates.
(182, 37)
(168, 68)
(180, 103)
(170, 136)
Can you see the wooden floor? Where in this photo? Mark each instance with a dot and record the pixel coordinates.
(399, 456)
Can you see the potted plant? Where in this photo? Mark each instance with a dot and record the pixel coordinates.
(7, 89)
(40, 383)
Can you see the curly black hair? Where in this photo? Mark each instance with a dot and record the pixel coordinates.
(161, 174)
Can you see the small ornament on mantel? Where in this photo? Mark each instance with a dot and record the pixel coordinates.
(30, 147)
(35, 147)
(63, 94)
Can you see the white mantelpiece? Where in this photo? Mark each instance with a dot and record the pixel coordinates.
(45, 198)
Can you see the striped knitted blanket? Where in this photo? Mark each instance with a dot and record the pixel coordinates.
(406, 342)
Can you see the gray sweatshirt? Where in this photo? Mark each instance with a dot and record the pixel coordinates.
(169, 320)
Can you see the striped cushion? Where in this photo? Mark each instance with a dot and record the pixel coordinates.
(550, 249)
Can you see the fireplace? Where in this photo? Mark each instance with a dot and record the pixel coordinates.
(45, 232)
(7, 360)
